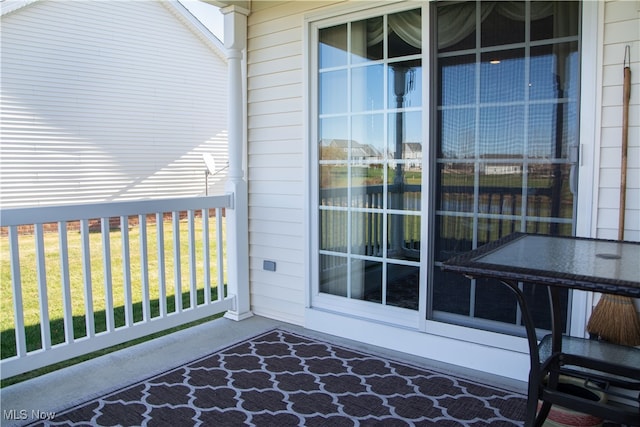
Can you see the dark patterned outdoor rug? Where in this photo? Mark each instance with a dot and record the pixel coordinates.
(283, 379)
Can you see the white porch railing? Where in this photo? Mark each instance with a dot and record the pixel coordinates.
(148, 306)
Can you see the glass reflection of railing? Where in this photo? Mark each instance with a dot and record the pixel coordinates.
(499, 211)
(495, 212)
(367, 225)
(372, 196)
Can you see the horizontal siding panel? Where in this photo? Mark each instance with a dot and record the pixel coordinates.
(612, 75)
(273, 10)
(281, 146)
(621, 31)
(290, 312)
(634, 116)
(275, 79)
(274, 120)
(608, 217)
(609, 178)
(614, 53)
(279, 281)
(273, 134)
(608, 233)
(610, 158)
(277, 214)
(284, 187)
(634, 236)
(281, 161)
(281, 277)
(276, 174)
(288, 294)
(611, 95)
(633, 160)
(276, 200)
(277, 65)
(275, 39)
(609, 197)
(621, 10)
(260, 7)
(634, 136)
(611, 137)
(276, 242)
(612, 116)
(633, 178)
(272, 93)
(286, 273)
(268, 252)
(277, 106)
(282, 23)
(276, 228)
(633, 205)
(268, 54)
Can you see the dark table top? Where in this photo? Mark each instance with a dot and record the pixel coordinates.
(607, 266)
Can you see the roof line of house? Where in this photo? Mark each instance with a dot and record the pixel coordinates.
(181, 11)
(174, 6)
(8, 6)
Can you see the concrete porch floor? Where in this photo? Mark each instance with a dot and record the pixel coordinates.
(60, 389)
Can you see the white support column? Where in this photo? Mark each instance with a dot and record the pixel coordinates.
(235, 40)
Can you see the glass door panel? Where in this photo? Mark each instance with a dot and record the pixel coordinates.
(370, 159)
(506, 127)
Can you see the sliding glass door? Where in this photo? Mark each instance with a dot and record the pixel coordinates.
(507, 136)
(433, 137)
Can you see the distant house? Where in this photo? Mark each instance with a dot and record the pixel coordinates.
(105, 101)
(353, 149)
(413, 151)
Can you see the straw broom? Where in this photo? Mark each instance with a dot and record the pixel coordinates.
(614, 318)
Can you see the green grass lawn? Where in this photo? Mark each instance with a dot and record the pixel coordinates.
(31, 297)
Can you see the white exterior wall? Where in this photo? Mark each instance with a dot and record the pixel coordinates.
(105, 100)
(276, 163)
(621, 28)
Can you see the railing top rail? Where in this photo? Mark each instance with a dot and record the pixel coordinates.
(46, 214)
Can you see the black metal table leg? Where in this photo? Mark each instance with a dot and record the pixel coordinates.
(534, 359)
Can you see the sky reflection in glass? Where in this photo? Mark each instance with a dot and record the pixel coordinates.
(367, 84)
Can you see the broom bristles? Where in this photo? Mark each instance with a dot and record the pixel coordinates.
(614, 319)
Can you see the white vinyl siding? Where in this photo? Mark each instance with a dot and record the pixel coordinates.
(621, 28)
(108, 101)
(276, 161)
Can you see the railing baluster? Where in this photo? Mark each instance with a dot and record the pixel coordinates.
(219, 251)
(66, 282)
(16, 287)
(205, 256)
(126, 271)
(41, 273)
(105, 229)
(193, 291)
(86, 274)
(144, 268)
(162, 279)
(177, 276)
